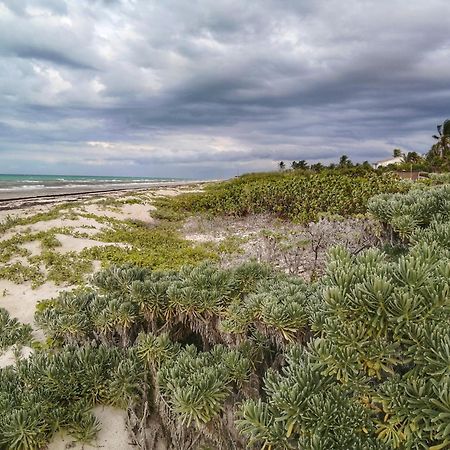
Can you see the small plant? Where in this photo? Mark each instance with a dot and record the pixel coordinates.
(12, 332)
(19, 273)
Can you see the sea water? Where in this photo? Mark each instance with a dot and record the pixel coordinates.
(31, 185)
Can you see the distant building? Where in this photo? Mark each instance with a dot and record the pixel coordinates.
(388, 161)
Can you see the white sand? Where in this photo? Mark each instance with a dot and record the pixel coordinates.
(125, 212)
(90, 231)
(170, 192)
(202, 238)
(7, 358)
(77, 224)
(34, 247)
(60, 222)
(20, 300)
(74, 244)
(112, 436)
(25, 212)
(19, 259)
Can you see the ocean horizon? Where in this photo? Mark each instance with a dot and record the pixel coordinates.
(24, 182)
(25, 185)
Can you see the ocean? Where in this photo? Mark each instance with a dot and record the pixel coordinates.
(15, 186)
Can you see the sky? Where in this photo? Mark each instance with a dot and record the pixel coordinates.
(214, 88)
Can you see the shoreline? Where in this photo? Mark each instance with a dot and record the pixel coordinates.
(20, 201)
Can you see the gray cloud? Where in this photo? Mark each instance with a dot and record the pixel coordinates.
(217, 87)
(50, 56)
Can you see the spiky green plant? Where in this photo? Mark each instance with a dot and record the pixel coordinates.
(13, 332)
(405, 213)
(306, 409)
(54, 391)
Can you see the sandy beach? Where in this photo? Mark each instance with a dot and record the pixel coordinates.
(68, 193)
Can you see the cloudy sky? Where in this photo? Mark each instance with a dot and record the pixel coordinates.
(212, 88)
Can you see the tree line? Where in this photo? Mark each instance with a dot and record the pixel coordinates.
(344, 163)
(437, 159)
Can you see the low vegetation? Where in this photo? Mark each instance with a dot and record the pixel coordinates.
(54, 213)
(12, 332)
(157, 246)
(248, 356)
(301, 249)
(299, 195)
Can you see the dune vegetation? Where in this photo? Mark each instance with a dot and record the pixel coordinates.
(158, 245)
(299, 195)
(248, 356)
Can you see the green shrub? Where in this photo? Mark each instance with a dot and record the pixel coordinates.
(418, 208)
(12, 332)
(306, 409)
(250, 357)
(19, 273)
(301, 196)
(53, 391)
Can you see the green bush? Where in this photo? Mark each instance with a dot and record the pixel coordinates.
(52, 391)
(12, 332)
(418, 208)
(301, 196)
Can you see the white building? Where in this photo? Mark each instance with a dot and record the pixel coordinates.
(388, 161)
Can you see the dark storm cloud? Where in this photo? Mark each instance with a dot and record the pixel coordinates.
(203, 87)
(48, 55)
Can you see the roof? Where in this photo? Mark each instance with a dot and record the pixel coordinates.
(392, 158)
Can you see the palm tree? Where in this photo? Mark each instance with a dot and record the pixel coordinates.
(397, 153)
(412, 157)
(443, 144)
(345, 161)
